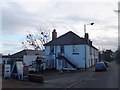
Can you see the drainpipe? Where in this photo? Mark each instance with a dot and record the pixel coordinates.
(85, 57)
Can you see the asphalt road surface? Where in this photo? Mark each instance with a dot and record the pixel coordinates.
(107, 79)
(76, 79)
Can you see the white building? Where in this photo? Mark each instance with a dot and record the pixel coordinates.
(34, 62)
(70, 52)
(32, 58)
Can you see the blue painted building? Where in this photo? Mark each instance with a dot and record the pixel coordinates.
(70, 52)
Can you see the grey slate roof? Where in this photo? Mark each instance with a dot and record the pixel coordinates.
(27, 52)
(68, 38)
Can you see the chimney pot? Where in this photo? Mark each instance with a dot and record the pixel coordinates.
(86, 36)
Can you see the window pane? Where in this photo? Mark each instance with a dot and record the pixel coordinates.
(75, 48)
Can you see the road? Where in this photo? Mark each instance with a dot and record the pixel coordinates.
(107, 79)
(76, 79)
(90, 79)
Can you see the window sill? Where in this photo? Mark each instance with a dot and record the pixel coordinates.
(75, 53)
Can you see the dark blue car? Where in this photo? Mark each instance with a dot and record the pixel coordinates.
(100, 66)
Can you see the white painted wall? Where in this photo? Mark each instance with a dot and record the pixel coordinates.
(91, 57)
(88, 57)
(27, 59)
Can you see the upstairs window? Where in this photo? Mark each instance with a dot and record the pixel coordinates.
(75, 49)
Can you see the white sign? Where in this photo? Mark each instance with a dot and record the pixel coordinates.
(20, 67)
(7, 70)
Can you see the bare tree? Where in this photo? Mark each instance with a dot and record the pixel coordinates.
(37, 40)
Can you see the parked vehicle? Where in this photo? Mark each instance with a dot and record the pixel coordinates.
(100, 66)
(106, 63)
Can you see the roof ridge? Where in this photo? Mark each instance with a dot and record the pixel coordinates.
(68, 33)
(67, 39)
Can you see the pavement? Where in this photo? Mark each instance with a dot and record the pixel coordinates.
(72, 79)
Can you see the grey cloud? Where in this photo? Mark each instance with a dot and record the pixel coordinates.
(76, 19)
(112, 27)
(13, 45)
(15, 20)
(106, 42)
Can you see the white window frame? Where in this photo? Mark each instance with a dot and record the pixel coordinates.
(75, 49)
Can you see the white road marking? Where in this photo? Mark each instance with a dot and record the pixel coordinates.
(74, 84)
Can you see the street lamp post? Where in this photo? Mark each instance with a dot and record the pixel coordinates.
(84, 37)
(85, 27)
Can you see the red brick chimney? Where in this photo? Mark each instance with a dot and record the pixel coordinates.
(54, 34)
(86, 36)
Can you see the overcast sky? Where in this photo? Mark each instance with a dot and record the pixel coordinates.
(19, 18)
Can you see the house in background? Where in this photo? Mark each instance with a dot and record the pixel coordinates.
(107, 55)
(35, 62)
(31, 58)
(70, 52)
(20, 54)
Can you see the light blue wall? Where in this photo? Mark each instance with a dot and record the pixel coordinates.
(47, 50)
(51, 58)
(77, 59)
(48, 57)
